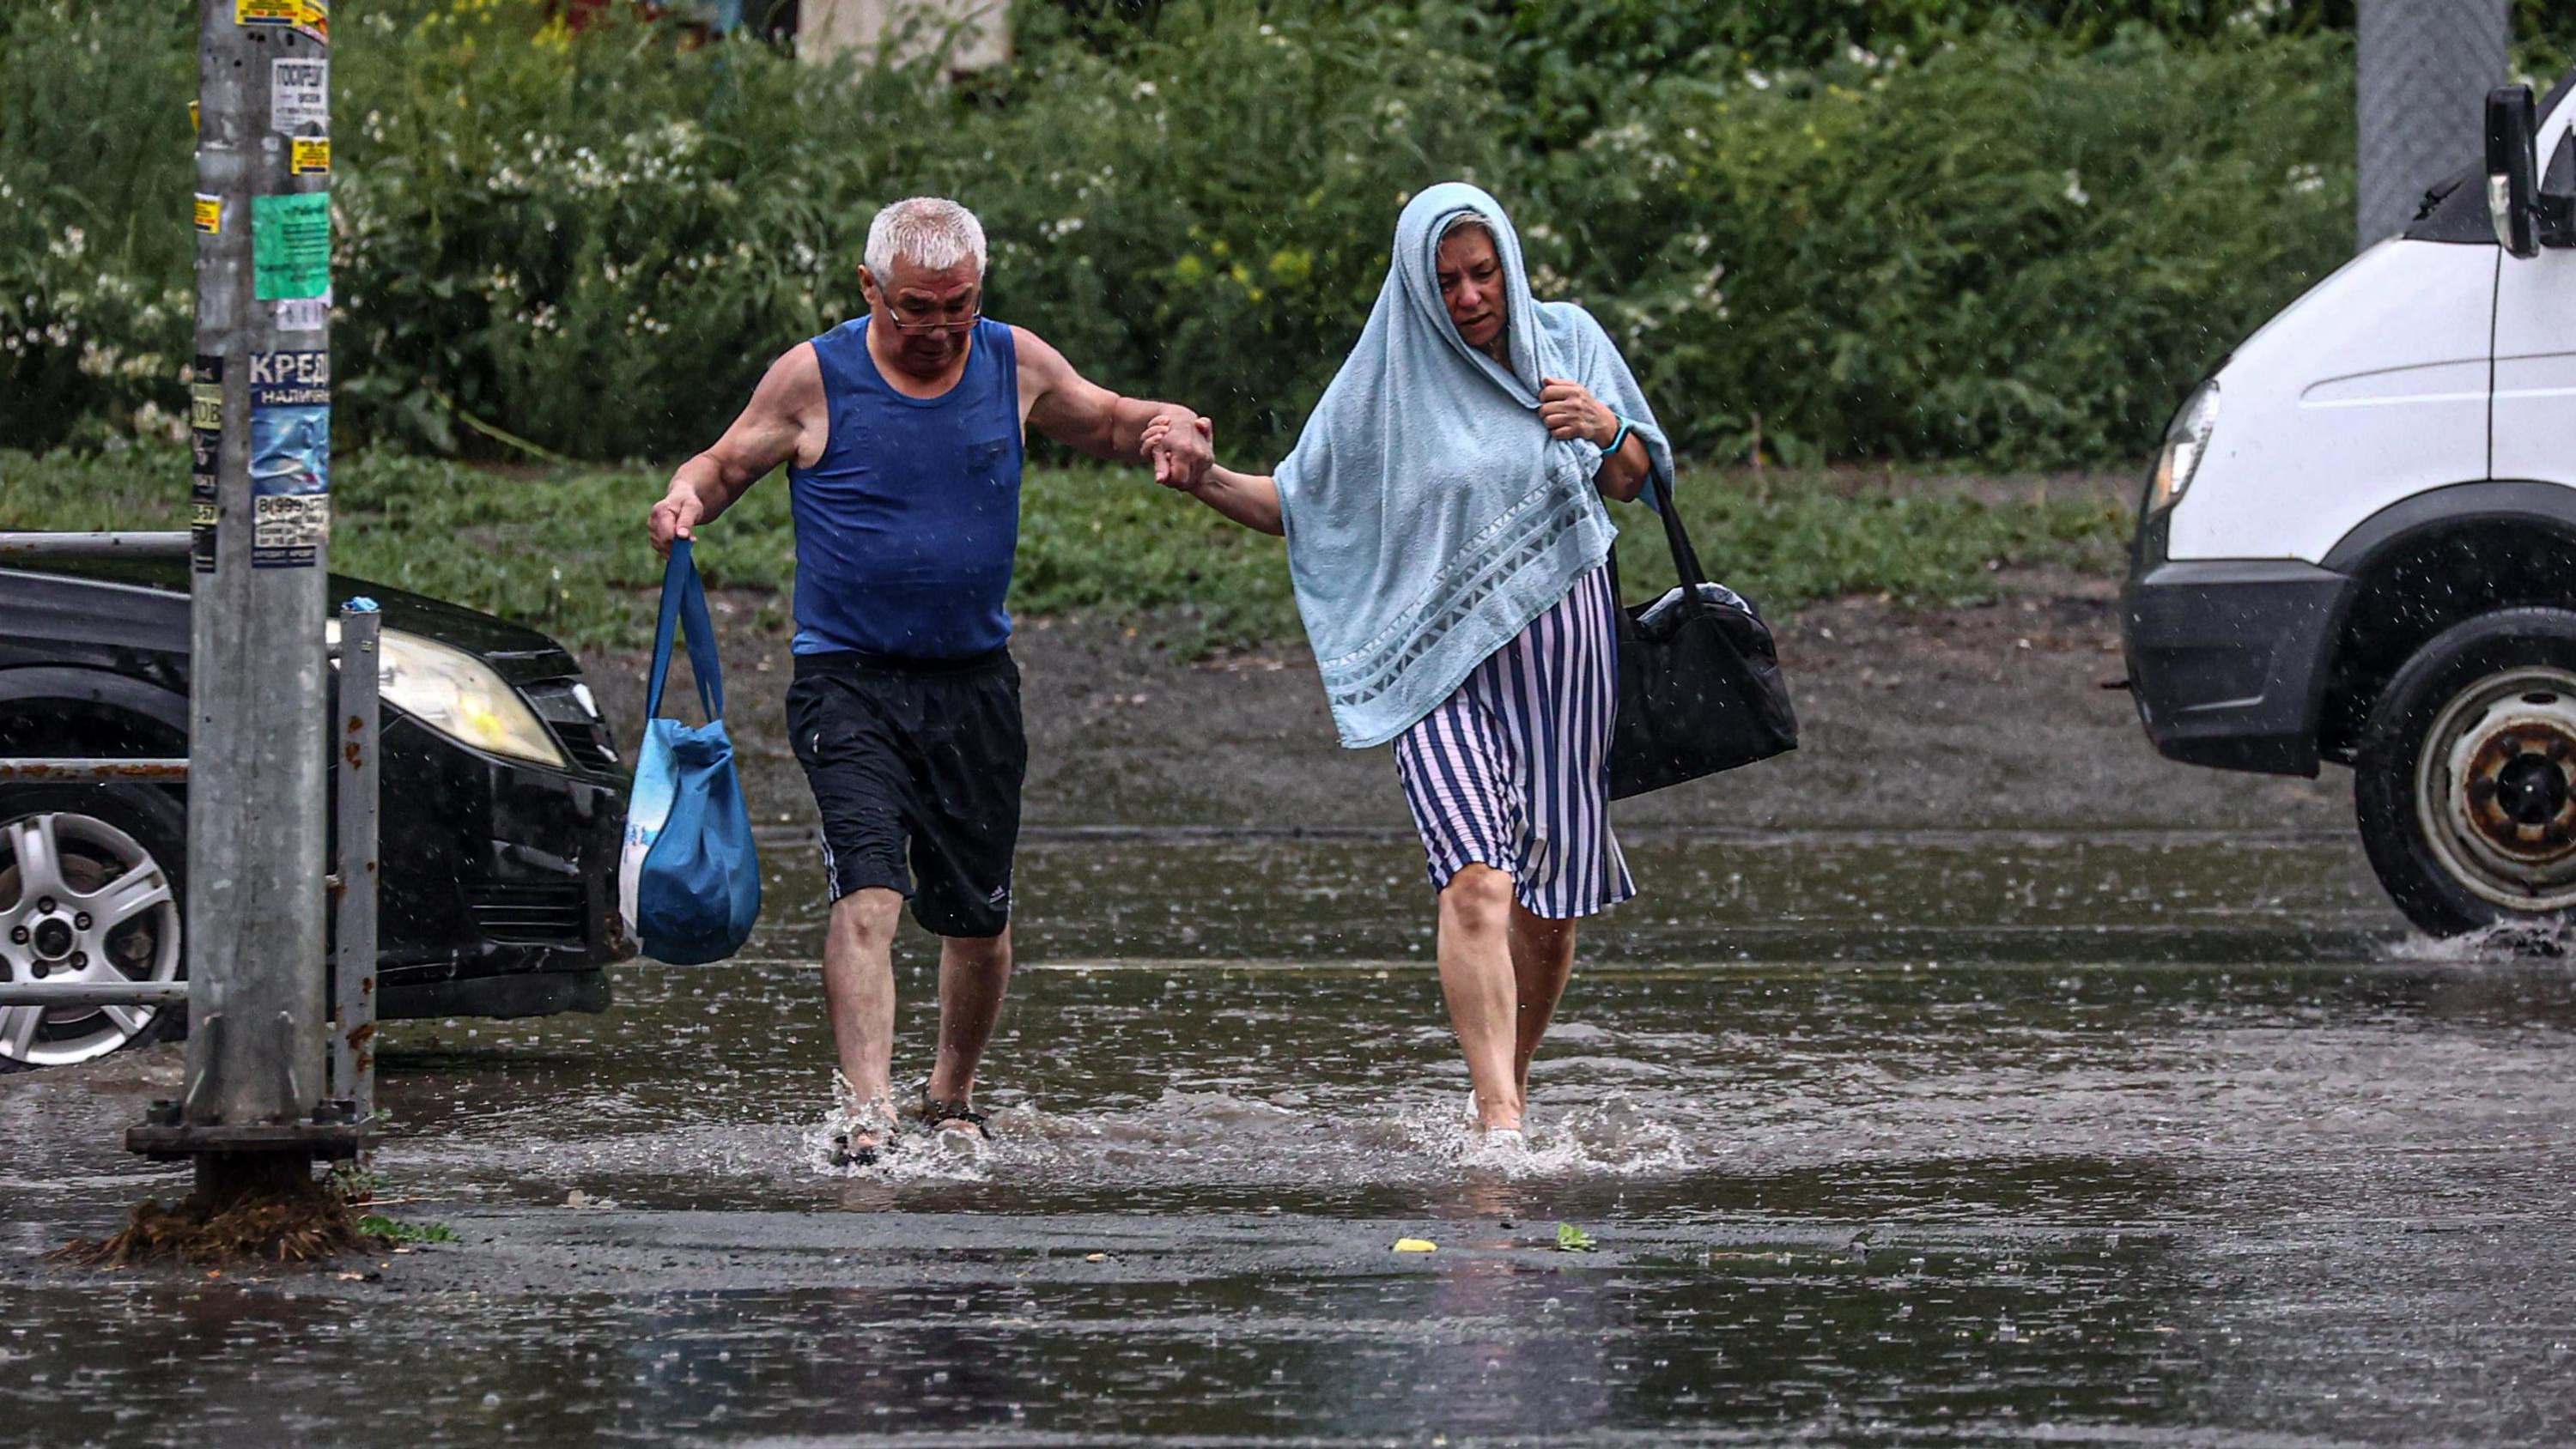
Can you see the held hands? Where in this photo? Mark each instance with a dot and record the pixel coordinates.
(1571, 411)
(676, 516)
(1181, 455)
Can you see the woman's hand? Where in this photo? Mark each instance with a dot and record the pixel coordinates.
(1571, 411)
(1181, 455)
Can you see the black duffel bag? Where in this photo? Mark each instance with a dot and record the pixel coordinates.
(1699, 687)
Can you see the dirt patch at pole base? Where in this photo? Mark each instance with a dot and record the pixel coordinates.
(264, 1217)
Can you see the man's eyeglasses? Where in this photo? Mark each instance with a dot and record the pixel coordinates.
(921, 321)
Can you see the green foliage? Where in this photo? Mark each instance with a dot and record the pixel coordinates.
(564, 550)
(95, 242)
(377, 1225)
(2016, 253)
(1571, 1239)
(2018, 240)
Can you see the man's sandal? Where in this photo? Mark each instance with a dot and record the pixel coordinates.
(939, 1114)
(875, 1121)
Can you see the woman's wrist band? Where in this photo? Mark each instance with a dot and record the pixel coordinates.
(1617, 438)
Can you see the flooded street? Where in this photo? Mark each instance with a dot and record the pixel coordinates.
(1953, 1138)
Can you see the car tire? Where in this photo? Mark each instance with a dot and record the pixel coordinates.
(99, 833)
(2465, 780)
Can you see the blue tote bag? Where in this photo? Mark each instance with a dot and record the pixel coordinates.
(688, 878)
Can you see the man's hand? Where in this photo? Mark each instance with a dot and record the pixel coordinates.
(676, 516)
(1181, 455)
(1571, 411)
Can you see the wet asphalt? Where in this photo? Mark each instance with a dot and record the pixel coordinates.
(1922, 1137)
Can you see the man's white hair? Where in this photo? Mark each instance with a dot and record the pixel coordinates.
(931, 232)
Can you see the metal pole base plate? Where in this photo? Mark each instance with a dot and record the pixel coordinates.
(334, 1134)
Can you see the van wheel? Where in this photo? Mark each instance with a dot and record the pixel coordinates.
(2465, 782)
(90, 890)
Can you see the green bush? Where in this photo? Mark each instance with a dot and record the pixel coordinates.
(2020, 245)
(2011, 252)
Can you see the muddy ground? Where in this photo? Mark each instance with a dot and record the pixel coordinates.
(1988, 716)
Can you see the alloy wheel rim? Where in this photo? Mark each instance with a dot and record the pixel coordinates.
(86, 903)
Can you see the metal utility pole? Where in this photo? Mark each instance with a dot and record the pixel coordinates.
(253, 1112)
(2425, 67)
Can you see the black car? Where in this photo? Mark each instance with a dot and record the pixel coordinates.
(503, 803)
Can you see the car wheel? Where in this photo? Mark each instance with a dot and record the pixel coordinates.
(92, 880)
(2465, 782)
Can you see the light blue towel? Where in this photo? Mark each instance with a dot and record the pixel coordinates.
(1430, 517)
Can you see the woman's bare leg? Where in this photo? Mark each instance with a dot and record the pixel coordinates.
(1542, 961)
(1476, 977)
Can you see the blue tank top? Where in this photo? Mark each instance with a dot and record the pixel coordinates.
(906, 525)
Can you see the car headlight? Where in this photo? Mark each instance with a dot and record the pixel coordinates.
(459, 696)
(2186, 443)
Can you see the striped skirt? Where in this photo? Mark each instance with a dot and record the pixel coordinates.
(1513, 769)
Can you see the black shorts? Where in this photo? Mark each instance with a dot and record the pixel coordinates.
(916, 769)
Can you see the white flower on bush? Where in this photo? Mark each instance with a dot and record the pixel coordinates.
(2258, 15)
(74, 242)
(2075, 191)
(2307, 178)
(153, 421)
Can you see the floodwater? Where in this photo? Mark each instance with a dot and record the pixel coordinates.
(1908, 1139)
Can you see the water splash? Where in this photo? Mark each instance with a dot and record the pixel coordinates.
(2502, 942)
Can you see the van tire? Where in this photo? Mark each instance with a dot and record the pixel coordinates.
(2459, 686)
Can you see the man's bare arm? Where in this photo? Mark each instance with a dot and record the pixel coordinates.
(1080, 413)
(785, 411)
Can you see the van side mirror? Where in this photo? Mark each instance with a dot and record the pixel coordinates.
(2513, 199)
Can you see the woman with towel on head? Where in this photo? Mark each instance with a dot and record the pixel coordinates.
(1448, 544)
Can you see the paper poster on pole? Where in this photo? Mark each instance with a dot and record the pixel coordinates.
(299, 97)
(205, 446)
(304, 314)
(291, 245)
(290, 458)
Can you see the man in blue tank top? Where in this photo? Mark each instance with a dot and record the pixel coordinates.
(901, 434)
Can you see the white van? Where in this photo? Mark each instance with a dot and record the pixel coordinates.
(2359, 543)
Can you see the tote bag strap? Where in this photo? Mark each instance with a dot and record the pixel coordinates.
(684, 614)
(1686, 565)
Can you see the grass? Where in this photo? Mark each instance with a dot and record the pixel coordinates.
(379, 1226)
(565, 550)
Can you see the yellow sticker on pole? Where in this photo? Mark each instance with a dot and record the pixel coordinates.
(267, 12)
(309, 155)
(210, 213)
